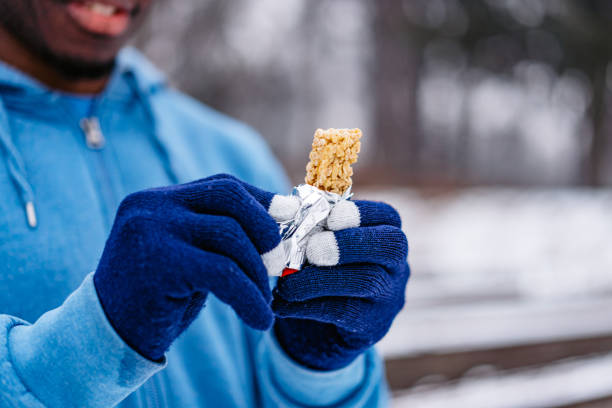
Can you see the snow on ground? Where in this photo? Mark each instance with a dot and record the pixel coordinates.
(530, 262)
(494, 325)
(526, 243)
(497, 267)
(563, 383)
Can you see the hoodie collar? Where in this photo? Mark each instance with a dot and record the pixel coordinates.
(130, 63)
(148, 78)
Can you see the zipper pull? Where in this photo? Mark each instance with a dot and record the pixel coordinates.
(31, 214)
(93, 133)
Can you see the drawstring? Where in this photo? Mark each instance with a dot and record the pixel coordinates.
(16, 168)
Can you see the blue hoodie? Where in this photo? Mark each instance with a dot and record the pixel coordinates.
(58, 194)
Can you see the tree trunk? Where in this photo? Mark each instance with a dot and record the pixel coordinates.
(397, 73)
(596, 155)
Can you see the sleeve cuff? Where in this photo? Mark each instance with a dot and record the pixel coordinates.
(72, 357)
(290, 382)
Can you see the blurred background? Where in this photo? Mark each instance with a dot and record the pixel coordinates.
(488, 124)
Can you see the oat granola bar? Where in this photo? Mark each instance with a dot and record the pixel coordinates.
(333, 153)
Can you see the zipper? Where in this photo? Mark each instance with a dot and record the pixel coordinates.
(90, 128)
(93, 133)
(95, 140)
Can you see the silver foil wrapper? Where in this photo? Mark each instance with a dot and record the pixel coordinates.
(310, 218)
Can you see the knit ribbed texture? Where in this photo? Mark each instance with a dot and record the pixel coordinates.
(328, 315)
(169, 247)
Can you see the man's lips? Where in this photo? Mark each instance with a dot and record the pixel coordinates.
(100, 17)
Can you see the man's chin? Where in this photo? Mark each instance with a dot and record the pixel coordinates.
(78, 68)
(67, 63)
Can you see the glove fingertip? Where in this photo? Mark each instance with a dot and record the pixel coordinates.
(274, 260)
(323, 250)
(283, 208)
(344, 215)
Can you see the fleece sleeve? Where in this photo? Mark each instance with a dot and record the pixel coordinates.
(71, 357)
(284, 383)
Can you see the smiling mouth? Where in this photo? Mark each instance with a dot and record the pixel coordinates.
(100, 17)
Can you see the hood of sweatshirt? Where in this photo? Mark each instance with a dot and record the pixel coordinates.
(25, 94)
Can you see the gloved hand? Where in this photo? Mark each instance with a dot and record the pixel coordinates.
(345, 299)
(169, 247)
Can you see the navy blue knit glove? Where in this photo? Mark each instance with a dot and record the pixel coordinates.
(346, 298)
(169, 247)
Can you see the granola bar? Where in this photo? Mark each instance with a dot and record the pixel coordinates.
(333, 153)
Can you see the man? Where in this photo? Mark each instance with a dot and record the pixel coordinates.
(163, 298)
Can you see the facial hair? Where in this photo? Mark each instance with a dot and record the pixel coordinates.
(26, 32)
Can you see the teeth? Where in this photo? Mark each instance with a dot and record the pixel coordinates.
(100, 8)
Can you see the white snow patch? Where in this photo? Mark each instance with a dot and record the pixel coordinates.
(563, 383)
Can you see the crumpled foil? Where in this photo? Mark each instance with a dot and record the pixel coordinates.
(310, 218)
